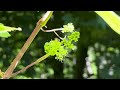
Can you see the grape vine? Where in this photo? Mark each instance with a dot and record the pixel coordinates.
(60, 48)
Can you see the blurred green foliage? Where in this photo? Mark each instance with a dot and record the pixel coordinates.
(98, 45)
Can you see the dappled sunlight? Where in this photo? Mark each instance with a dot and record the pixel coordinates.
(106, 58)
(96, 55)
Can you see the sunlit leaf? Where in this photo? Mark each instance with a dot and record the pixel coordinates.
(111, 18)
(4, 34)
(4, 30)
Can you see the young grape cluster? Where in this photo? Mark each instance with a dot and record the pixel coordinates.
(60, 49)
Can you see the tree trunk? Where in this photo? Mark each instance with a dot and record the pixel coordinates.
(80, 63)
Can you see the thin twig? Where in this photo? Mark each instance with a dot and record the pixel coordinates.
(33, 63)
(58, 29)
(58, 35)
(54, 30)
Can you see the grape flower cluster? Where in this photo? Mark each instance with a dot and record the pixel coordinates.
(60, 48)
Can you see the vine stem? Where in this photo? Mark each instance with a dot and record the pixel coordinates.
(15, 62)
(25, 68)
(53, 30)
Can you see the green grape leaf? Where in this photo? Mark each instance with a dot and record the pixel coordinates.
(4, 34)
(1, 73)
(111, 18)
(4, 30)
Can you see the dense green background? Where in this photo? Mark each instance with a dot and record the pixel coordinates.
(98, 45)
